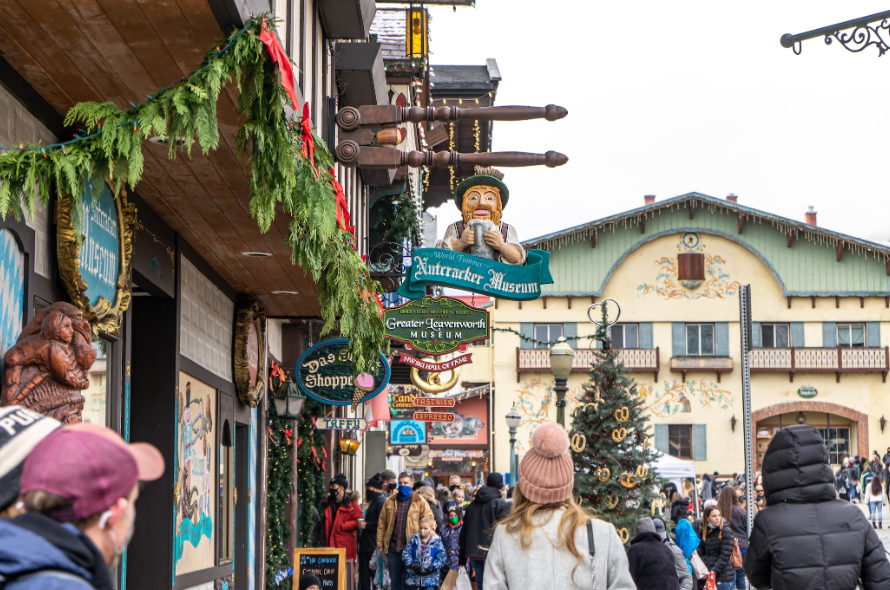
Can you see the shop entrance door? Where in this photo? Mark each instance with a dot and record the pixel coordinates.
(242, 505)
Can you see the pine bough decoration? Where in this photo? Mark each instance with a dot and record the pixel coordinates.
(281, 169)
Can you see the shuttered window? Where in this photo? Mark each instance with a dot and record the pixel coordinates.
(547, 333)
(685, 441)
(829, 335)
(775, 335)
(680, 441)
(699, 339)
(873, 334)
(646, 340)
(699, 442)
(570, 331)
(797, 337)
(528, 331)
(678, 339)
(721, 338)
(625, 336)
(851, 335)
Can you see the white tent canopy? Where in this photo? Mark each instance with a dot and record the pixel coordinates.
(676, 470)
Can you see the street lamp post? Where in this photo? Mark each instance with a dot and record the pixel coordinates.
(513, 419)
(561, 358)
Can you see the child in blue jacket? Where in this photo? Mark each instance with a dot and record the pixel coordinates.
(424, 557)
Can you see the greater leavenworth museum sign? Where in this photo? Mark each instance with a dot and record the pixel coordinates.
(326, 373)
(436, 326)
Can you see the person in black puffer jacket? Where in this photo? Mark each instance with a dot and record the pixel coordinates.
(679, 508)
(806, 538)
(716, 548)
(483, 512)
(650, 561)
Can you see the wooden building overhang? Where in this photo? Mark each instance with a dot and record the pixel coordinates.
(123, 50)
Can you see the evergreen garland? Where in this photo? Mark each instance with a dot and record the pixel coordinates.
(609, 428)
(109, 146)
(311, 484)
(394, 219)
(279, 479)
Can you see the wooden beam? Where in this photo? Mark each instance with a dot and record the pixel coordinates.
(814, 301)
(862, 303)
(592, 299)
(887, 303)
(840, 250)
(741, 222)
(643, 224)
(495, 302)
(593, 245)
(789, 303)
(520, 305)
(691, 212)
(837, 302)
(790, 238)
(544, 299)
(888, 266)
(570, 301)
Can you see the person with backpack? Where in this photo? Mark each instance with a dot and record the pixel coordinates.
(79, 486)
(368, 541)
(853, 474)
(842, 482)
(479, 519)
(807, 539)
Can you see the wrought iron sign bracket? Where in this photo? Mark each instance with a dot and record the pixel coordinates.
(866, 31)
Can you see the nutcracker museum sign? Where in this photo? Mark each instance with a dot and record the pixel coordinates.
(436, 326)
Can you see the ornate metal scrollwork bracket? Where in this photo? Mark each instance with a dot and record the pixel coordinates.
(854, 35)
(387, 266)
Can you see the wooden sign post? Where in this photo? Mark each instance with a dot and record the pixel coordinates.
(326, 563)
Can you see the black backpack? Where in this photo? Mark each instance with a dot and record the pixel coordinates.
(842, 481)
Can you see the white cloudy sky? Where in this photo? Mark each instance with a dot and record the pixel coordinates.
(666, 98)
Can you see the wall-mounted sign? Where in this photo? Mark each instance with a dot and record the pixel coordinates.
(341, 424)
(96, 271)
(250, 319)
(437, 266)
(13, 271)
(434, 416)
(410, 450)
(407, 432)
(456, 455)
(687, 363)
(436, 326)
(326, 373)
(433, 402)
(431, 367)
(403, 401)
(807, 391)
(468, 428)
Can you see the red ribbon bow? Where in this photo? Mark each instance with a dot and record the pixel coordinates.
(306, 137)
(279, 56)
(343, 216)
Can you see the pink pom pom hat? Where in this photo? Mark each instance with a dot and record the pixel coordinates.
(547, 474)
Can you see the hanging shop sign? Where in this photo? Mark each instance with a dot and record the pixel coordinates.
(434, 367)
(95, 270)
(341, 424)
(326, 373)
(437, 266)
(433, 402)
(456, 455)
(436, 326)
(469, 426)
(249, 341)
(434, 416)
(807, 391)
(434, 382)
(407, 432)
(403, 401)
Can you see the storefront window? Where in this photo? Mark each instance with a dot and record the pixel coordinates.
(95, 409)
(838, 442)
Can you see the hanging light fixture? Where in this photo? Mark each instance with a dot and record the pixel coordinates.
(733, 422)
(801, 418)
(348, 444)
(289, 401)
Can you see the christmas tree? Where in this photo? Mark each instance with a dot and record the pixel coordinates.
(614, 473)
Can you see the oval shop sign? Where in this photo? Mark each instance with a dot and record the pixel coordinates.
(99, 253)
(326, 374)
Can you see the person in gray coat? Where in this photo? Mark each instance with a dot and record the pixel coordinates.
(679, 560)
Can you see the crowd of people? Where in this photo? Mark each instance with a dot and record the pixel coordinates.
(411, 535)
(68, 506)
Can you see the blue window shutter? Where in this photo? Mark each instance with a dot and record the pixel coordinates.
(661, 438)
(527, 330)
(699, 442)
(721, 339)
(646, 335)
(797, 339)
(829, 334)
(755, 335)
(570, 331)
(873, 334)
(678, 337)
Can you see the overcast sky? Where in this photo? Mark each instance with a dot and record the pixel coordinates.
(666, 98)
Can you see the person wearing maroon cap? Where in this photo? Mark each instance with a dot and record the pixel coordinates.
(79, 486)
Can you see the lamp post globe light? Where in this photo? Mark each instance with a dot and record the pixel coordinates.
(513, 420)
(561, 358)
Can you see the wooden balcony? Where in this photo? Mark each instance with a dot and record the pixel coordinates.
(821, 360)
(537, 360)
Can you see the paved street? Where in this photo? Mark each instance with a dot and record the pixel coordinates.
(884, 533)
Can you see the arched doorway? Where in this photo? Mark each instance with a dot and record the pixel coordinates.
(844, 429)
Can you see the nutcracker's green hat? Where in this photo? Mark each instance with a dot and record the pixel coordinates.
(485, 176)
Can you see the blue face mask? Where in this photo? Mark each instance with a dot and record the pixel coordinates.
(405, 492)
(710, 526)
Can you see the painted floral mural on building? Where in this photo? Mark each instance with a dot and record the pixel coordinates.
(536, 401)
(677, 397)
(717, 283)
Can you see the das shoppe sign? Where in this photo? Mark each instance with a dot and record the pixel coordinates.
(436, 326)
(326, 373)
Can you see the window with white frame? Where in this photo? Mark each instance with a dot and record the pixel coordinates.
(852, 335)
(625, 336)
(547, 333)
(774, 336)
(699, 339)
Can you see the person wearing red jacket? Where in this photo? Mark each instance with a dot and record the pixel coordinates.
(341, 513)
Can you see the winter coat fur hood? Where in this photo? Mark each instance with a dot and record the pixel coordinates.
(805, 537)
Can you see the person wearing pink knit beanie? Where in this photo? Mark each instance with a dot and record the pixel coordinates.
(544, 541)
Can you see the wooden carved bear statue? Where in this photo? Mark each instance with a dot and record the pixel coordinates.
(46, 369)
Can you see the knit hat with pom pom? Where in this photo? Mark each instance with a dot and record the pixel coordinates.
(546, 475)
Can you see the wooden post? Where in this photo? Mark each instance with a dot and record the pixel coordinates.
(351, 118)
(351, 154)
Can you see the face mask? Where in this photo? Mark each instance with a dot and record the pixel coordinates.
(453, 487)
(424, 533)
(405, 492)
(334, 493)
(391, 487)
(453, 520)
(372, 495)
(118, 549)
(710, 526)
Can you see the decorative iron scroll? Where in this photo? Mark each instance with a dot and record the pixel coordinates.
(387, 266)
